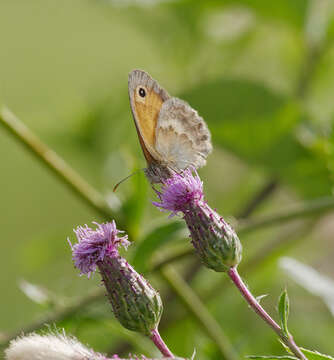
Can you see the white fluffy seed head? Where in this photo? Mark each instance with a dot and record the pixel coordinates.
(57, 346)
(49, 347)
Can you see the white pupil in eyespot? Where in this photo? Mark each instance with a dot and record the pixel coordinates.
(142, 92)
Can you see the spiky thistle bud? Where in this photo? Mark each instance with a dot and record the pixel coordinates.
(135, 303)
(216, 243)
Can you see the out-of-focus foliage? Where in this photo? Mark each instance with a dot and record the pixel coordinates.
(260, 72)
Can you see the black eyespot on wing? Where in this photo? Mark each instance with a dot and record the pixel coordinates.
(142, 92)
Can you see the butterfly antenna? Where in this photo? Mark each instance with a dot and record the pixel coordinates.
(126, 178)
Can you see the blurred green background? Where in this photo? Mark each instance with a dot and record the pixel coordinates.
(260, 72)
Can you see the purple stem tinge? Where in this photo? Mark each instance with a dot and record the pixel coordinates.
(160, 344)
(254, 304)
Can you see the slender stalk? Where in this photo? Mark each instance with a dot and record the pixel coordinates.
(196, 307)
(55, 163)
(160, 344)
(302, 210)
(263, 194)
(254, 304)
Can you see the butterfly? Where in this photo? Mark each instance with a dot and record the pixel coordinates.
(172, 135)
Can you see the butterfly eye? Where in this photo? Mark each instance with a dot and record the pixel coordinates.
(142, 92)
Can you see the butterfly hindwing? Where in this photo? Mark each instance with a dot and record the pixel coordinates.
(182, 137)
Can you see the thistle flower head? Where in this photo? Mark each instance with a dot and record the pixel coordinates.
(94, 245)
(214, 240)
(135, 303)
(180, 191)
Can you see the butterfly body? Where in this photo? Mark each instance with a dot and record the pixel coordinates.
(172, 134)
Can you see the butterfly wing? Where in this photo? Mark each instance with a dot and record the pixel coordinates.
(146, 100)
(182, 138)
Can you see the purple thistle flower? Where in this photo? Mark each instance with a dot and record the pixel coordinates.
(214, 240)
(180, 192)
(135, 303)
(94, 245)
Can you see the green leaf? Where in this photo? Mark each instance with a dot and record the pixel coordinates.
(283, 309)
(239, 111)
(153, 241)
(311, 354)
(272, 357)
(264, 115)
(315, 355)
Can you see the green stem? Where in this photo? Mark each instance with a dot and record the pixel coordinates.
(160, 344)
(305, 209)
(267, 190)
(195, 306)
(255, 305)
(55, 164)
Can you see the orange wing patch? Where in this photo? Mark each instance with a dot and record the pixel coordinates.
(147, 112)
(146, 99)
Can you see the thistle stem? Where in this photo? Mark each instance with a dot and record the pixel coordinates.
(55, 164)
(160, 344)
(254, 304)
